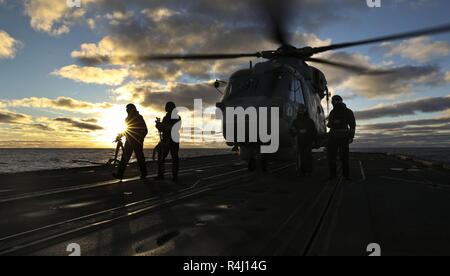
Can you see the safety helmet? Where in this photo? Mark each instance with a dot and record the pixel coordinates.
(170, 106)
(337, 100)
(131, 108)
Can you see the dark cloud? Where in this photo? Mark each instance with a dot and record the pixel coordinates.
(12, 118)
(408, 124)
(427, 105)
(196, 27)
(390, 140)
(42, 127)
(90, 120)
(403, 80)
(79, 125)
(62, 103)
(308, 14)
(423, 133)
(182, 94)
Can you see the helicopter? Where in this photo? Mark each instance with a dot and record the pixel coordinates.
(285, 80)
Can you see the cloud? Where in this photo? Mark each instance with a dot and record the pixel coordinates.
(159, 14)
(8, 45)
(369, 140)
(418, 49)
(8, 117)
(409, 124)
(78, 124)
(155, 95)
(45, 14)
(91, 120)
(41, 127)
(447, 77)
(54, 17)
(407, 133)
(91, 52)
(210, 27)
(93, 75)
(117, 17)
(176, 37)
(402, 81)
(426, 105)
(183, 95)
(60, 103)
(21, 121)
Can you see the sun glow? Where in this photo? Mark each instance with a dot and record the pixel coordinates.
(113, 123)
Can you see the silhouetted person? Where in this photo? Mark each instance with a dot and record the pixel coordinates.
(170, 143)
(342, 126)
(135, 135)
(305, 130)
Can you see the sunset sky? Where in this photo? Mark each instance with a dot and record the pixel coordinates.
(48, 98)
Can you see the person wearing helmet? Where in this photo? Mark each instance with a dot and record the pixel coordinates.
(305, 130)
(170, 141)
(342, 126)
(135, 135)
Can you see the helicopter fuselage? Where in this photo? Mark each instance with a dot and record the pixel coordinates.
(283, 84)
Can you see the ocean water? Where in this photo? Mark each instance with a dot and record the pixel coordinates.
(26, 160)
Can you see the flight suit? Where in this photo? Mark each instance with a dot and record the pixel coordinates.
(305, 130)
(168, 145)
(342, 126)
(135, 135)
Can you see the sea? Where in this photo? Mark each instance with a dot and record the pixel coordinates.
(26, 160)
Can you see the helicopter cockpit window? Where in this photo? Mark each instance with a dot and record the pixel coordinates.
(296, 92)
(255, 85)
(292, 89)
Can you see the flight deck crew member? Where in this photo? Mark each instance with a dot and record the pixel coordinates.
(342, 126)
(169, 129)
(305, 130)
(135, 135)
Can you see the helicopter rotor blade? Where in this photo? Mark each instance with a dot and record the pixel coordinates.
(349, 67)
(170, 57)
(165, 57)
(278, 13)
(429, 31)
